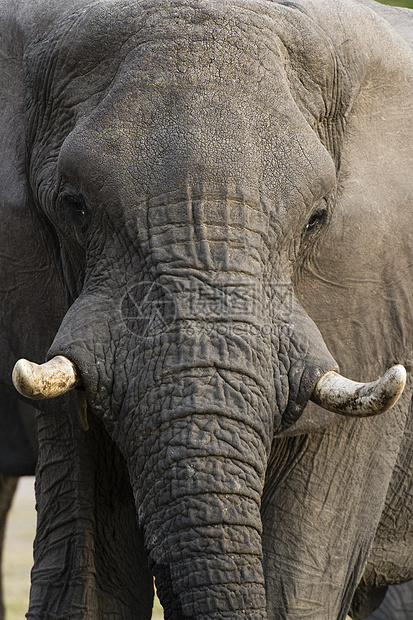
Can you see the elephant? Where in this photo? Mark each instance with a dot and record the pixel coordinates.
(206, 291)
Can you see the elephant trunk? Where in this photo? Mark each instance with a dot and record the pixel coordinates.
(199, 420)
(205, 548)
(198, 503)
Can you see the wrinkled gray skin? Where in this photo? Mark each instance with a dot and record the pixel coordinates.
(175, 178)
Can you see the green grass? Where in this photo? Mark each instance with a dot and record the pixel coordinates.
(157, 611)
(18, 551)
(405, 3)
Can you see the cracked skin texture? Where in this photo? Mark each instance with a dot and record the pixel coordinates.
(219, 199)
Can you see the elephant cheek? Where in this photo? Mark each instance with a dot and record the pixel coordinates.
(198, 502)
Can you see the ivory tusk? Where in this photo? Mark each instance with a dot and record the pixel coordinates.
(40, 381)
(340, 395)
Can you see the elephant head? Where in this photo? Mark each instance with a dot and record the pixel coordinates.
(181, 167)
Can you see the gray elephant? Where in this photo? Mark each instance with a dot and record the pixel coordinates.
(206, 208)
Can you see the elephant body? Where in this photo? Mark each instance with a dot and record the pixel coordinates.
(206, 207)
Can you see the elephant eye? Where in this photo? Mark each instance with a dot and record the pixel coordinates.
(317, 219)
(78, 207)
(72, 217)
(73, 202)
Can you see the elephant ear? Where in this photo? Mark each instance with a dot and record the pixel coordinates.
(32, 300)
(358, 285)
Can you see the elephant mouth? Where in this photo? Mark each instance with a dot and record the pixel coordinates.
(332, 391)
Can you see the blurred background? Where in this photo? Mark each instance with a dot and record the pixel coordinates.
(406, 3)
(21, 526)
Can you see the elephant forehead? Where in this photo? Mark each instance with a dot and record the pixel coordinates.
(178, 91)
(217, 140)
(163, 44)
(212, 120)
(85, 41)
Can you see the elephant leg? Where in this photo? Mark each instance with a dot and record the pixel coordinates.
(87, 536)
(320, 492)
(390, 558)
(8, 486)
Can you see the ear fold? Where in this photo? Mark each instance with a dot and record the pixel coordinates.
(359, 287)
(32, 301)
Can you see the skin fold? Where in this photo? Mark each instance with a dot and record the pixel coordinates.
(206, 207)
